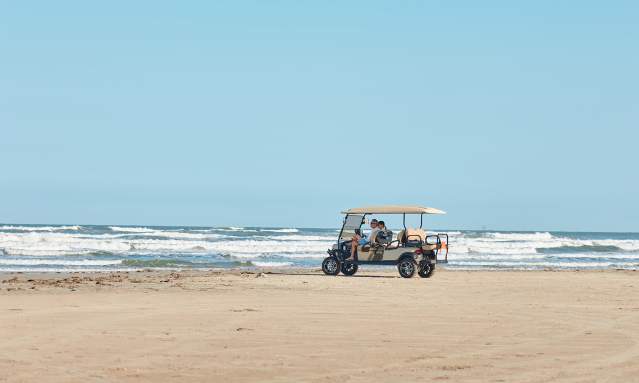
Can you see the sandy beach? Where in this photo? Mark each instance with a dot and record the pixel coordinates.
(303, 326)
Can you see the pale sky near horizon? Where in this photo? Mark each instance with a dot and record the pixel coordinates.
(508, 115)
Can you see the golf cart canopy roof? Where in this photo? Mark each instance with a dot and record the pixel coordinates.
(394, 209)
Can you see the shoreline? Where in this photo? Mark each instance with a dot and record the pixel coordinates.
(383, 269)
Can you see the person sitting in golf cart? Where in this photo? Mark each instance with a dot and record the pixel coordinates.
(359, 240)
(383, 235)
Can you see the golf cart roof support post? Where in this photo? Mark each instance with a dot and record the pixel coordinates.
(421, 220)
(342, 230)
(404, 220)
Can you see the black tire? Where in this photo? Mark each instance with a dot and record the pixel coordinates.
(330, 266)
(427, 270)
(406, 267)
(349, 268)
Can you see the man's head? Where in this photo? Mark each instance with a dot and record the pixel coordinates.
(374, 223)
(381, 225)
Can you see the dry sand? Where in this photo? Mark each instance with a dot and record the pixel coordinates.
(307, 327)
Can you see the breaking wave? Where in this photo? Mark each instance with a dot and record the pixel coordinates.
(580, 249)
(59, 262)
(39, 228)
(131, 229)
(521, 236)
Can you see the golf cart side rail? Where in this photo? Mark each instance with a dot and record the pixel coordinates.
(441, 245)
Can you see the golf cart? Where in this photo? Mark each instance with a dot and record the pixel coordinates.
(412, 250)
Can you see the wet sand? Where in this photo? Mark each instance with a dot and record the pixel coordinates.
(303, 326)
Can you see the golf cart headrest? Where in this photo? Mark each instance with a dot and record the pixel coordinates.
(415, 235)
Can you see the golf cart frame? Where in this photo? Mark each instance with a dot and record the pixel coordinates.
(412, 251)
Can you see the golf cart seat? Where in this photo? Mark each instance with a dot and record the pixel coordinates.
(378, 240)
(412, 237)
(401, 237)
(364, 248)
(397, 242)
(383, 237)
(367, 247)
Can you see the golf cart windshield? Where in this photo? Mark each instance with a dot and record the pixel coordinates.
(351, 223)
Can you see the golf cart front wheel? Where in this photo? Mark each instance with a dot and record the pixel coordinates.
(406, 268)
(426, 270)
(349, 268)
(330, 266)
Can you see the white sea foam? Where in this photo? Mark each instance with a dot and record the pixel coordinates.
(271, 264)
(251, 248)
(525, 258)
(537, 264)
(62, 262)
(144, 231)
(487, 246)
(520, 236)
(301, 237)
(280, 230)
(180, 234)
(56, 244)
(239, 229)
(40, 244)
(230, 229)
(40, 228)
(66, 269)
(132, 229)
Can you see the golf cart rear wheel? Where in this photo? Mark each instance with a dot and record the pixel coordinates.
(349, 268)
(426, 270)
(330, 266)
(406, 267)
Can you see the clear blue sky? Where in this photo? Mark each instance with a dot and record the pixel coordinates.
(507, 115)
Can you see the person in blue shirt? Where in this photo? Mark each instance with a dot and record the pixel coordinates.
(359, 240)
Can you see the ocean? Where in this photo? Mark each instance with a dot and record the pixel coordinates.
(55, 248)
